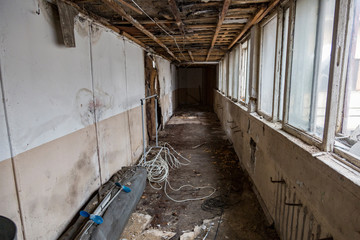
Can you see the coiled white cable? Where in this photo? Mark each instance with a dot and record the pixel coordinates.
(159, 166)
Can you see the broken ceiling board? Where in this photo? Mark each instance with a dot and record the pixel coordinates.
(117, 8)
(175, 11)
(128, 5)
(192, 23)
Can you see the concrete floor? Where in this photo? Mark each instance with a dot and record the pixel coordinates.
(234, 210)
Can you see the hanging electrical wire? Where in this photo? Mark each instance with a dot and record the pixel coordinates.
(166, 32)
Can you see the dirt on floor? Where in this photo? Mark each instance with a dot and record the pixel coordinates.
(232, 212)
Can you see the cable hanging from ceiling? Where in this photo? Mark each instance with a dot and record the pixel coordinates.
(160, 28)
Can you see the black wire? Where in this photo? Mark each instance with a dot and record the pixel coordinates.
(217, 206)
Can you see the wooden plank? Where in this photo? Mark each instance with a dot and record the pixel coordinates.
(97, 18)
(175, 11)
(219, 24)
(256, 19)
(269, 8)
(145, 22)
(247, 26)
(191, 56)
(128, 5)
(67, 14)
(118, 9)
(133, 39)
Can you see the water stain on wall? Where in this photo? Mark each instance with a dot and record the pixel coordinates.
(84, 98)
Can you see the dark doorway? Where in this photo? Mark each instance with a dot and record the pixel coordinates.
(196, 85)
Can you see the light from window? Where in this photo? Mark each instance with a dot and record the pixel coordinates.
(311, 64)
(231, 73)
(267, 66)
(243, 71)
(236, 73)
(283, 63)
(348, 135)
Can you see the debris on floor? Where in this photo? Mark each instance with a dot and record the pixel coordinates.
(137, 229)
(233, 212)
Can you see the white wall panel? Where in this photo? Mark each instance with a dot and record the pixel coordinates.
(4, 143)
(46, 84)
(135, 74)
(164, 73)
(108, 58)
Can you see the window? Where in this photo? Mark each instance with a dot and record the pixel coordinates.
(310, 65)
(243, 58)
(348, 129)
(231, 73)
(283, 62)
(236, 74)
(219, 85)
(224, 75)
(267, 66)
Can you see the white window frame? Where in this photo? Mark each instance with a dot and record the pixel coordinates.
(240, 61)
(275, 96)
(327, 141)
(343, 43)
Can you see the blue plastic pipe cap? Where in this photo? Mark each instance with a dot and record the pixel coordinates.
(95, 218)
(124, 188)
(84, 214)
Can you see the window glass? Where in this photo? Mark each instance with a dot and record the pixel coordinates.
(243, 70)
(236, 73)
(348, 135)
(219, 84)
(310, 64)
(267, 65)
(224, 75)
(283, 62)
(247, 72)
(231, 73)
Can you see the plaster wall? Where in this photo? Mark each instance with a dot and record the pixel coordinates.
(168, 86)
(328, 190)
(74, 114)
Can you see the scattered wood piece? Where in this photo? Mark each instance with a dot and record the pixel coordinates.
(197, 146)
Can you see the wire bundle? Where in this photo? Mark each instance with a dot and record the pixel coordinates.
(163, 159)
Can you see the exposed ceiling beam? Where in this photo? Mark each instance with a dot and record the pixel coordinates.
(219, 24)
(191, 56)
(175, 11)
(257, 18)
(271, 6)
(247, 26)
(118, 9)
(128, 5)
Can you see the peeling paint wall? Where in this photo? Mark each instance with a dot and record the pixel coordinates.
(168, 88)
(328, 190)
(73, 114)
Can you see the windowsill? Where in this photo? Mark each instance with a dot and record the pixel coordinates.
(334, 161)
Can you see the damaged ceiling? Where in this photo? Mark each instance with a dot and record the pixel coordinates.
(182, 30)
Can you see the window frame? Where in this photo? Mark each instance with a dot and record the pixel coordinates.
(262, 24)
(345, 27)
(326, 142)
(246, 38)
